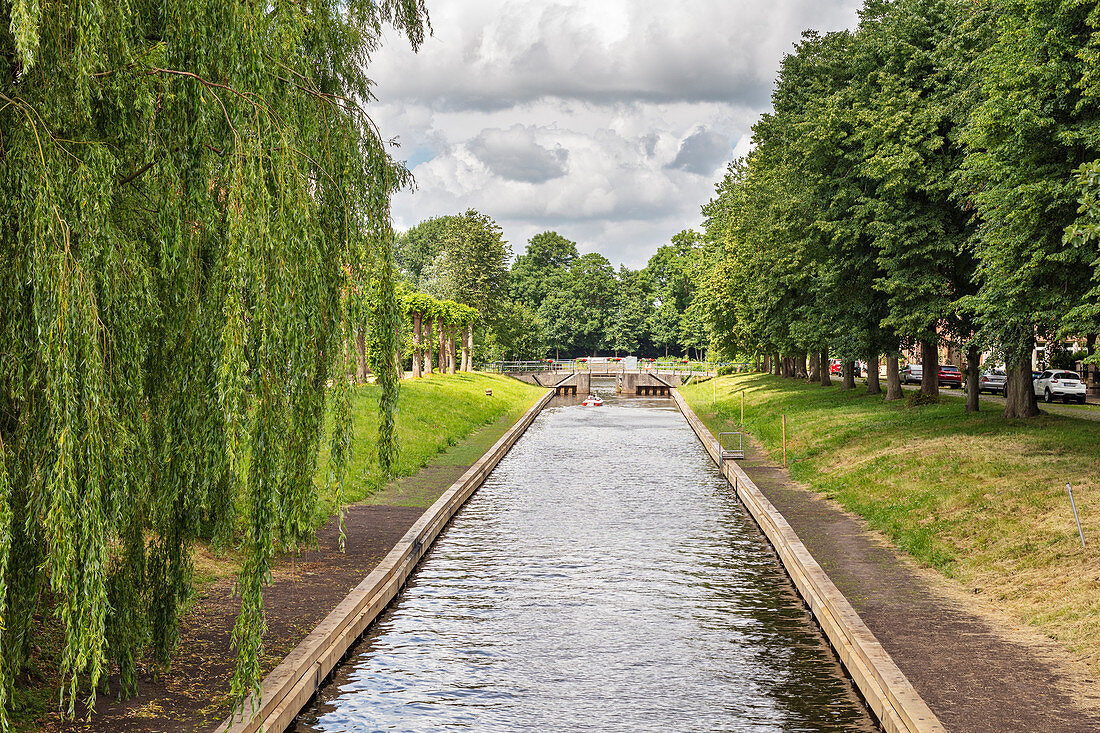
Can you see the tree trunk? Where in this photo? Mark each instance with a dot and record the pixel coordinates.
(361, 370)
(825, 381)
(398, 365)
(428, 326)
(972, 376)
(1020, 399)
(802, 370)
(893, 379)
(757, 365)
(470, 340)
(930, 368)
(814, 374)
(416, 346)
(451, 366)
(847, 374)
(464, 335)
(777, 368)
(873, 386)
(442, 348)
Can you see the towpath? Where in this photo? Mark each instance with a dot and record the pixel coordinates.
(975, 674)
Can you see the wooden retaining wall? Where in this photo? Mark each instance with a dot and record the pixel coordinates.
(289, 687)
(889, 694)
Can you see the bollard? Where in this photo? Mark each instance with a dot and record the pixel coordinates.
(1075, 517)
(742, 408)
(488, 393)
(784, 418)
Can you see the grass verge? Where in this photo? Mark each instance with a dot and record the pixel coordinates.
(443, 421)
(435, 415)
(977, 497)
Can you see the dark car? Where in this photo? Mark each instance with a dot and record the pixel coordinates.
(950, 376)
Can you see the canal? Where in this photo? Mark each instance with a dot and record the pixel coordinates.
(603, 578)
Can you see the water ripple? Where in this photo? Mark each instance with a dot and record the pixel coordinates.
(603, 578)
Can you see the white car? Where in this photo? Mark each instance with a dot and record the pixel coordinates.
(1056, 384)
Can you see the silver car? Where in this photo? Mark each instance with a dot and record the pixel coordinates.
(1054, 384)
(994, 380)
(912, 374)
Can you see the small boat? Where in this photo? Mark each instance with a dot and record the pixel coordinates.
(592, 401)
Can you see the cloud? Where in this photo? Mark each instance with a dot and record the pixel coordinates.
(514, 155)
(608, 122)
(702, 152)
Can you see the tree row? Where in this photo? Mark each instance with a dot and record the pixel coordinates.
(928, 178)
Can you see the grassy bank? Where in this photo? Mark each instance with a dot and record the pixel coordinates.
(979, 498)
(438, 414)
(443, 422)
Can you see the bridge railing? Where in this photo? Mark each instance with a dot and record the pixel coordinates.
(606, 365)
(543, 365)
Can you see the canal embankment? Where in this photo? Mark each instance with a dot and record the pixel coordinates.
(446, 424)
(288, 687)
(604, 577)
(946, 534)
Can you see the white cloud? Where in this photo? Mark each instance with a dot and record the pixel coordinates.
(515, 155)
(609, 122)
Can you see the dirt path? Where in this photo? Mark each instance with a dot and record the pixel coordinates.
(977, 674)
(192, 696)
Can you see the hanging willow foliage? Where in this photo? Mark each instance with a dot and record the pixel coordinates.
(184, 189)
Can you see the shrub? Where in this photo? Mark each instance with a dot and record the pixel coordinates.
(918, 399)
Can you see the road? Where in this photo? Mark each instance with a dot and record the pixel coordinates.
(1090, 411)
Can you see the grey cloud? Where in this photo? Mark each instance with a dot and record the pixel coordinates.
(647, 98)
(702, 152)
(498, 53)
(514, 155)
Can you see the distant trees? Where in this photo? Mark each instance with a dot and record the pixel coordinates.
(558, 301)
(927, 177)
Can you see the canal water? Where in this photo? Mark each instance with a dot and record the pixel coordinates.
(604, 578)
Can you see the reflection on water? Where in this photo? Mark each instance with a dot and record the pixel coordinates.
(604, 578)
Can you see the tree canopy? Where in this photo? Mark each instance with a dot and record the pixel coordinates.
(186, 198)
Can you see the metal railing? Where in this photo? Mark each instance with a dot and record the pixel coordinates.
(614, 365)
(728, 449)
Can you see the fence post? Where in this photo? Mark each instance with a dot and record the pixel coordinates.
(784, 441)
(1073, 504)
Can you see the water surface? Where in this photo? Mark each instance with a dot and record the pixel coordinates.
(603, 578)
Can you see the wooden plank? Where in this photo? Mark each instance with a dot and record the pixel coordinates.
(883, 685)
(290, 686)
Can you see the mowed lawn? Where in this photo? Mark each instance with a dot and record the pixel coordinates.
(979, 498)
(434, 413)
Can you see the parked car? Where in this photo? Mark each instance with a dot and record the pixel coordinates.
(950, 376)
(1059, 384)
(994, 381)
(912, 374)
(836, 368)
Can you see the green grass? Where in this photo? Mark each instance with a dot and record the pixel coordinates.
(977, 497)
(446, 421)
(435, 416)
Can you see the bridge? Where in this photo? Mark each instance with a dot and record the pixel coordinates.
(580, 382)
(610, 366)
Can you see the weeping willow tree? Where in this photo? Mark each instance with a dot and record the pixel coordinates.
(185, 191)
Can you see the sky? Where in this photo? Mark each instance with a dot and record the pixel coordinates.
(607, 121)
